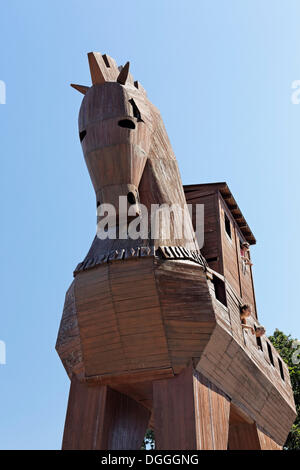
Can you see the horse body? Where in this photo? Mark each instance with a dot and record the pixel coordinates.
(140, 312)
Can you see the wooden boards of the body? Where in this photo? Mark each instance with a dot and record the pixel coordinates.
(119, 318)
(247, 380)
(142, 315)
(187, 310)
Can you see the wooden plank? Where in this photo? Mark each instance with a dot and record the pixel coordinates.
(266, 442)
(243, 436)
(99, 418)
(193, 412)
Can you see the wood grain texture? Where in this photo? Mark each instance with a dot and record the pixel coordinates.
(143, 331)
(189, 411)
(222, 251)
(266, 442)
(226, 194)
(186, 308)
(68, 344)
(99, 418)
(120, 321)
(243, 374)
(243, 436)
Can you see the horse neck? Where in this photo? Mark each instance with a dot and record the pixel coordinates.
(161, 184)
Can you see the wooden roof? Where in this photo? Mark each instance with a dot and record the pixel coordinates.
(230, 202)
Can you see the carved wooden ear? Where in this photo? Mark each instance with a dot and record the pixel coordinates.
(123, 75)
(81, 88)
(97, 66)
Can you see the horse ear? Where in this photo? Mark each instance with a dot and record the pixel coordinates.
(97, 67)
(81, 88)
(123, 75)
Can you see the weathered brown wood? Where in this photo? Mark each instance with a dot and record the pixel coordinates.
(266, 442)
(149, 324)
(242, 431)
(81, 88)
(189, 411)
(224, 251)
(99, 418)
(243, 436)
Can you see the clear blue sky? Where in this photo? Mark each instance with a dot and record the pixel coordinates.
(221, 73)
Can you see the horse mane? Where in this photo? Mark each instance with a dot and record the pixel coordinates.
(104, 68)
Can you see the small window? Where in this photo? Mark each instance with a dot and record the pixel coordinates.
(281, 368)
(227, 225)
(258, 341)
(135, 109)
(220, 290)
(270, 354)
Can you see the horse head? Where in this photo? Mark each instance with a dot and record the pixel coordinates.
(115, 127)
(125, 145)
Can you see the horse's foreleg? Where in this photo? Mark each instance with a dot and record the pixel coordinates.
(100, 418)
(190, 413)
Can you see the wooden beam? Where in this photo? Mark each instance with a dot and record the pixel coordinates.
(189, 412)
(99, 418)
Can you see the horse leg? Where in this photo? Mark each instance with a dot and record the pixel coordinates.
(190, 413)
(247, 436)
(101, 418)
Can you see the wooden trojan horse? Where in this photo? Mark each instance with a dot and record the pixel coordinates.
(145, 336)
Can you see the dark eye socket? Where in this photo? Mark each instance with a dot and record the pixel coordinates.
(126, 123)
(82, 135)
(135, 109)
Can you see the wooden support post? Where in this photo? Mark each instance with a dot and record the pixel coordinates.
(266, 442)
(190, 413)
(100, 418)
(243, 436)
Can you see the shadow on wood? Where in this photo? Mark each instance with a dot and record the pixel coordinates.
(190, 413)
(100, 418)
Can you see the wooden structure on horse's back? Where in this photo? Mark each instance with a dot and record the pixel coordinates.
(151, 331)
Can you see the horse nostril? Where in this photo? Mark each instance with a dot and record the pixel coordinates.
(126, 123)
(131, 198)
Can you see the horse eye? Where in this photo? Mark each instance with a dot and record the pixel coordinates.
(135, 109)
(126, 123)
(82, 135)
